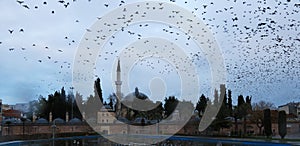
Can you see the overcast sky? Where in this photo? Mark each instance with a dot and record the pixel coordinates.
(259, 42)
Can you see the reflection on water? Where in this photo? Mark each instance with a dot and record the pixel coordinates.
(172, 141)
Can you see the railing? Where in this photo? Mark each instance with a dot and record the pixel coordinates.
(174, 140)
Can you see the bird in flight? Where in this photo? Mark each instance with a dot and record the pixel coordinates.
(10, 31)
(20, 2)
(26, 6)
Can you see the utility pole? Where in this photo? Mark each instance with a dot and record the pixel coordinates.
(53, 132)
(72, 102)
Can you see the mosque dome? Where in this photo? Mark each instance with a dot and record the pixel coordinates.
(75, 121)
(58, 121)
(41, 121)
(140, 120)
(138, 101)
(135, 95)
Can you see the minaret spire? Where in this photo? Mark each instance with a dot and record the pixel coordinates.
(118, 67)
(118, 83)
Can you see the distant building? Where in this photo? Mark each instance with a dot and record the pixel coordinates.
(105, 115)
(11, 113)
(1, 118)
(6, 107)
(42, 128)
(23, 107)
(291, 108)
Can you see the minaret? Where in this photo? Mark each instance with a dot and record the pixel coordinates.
(118, 83)
(1, 111)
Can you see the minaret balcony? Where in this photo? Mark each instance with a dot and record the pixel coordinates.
(118, 82)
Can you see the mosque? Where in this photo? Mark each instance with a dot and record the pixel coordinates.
(126, 108)
(116, 120)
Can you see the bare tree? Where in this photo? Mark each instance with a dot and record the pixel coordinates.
(261, 105)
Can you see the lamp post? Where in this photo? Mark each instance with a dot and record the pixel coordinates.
(23, 119)
(259, 124)
(53, 132)
(72, 112)
(8, 124)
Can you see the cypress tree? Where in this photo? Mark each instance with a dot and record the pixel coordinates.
(229, 102)
(241, 100)
(267, 122)
(201, 104)
(282, 124)
(98, 90)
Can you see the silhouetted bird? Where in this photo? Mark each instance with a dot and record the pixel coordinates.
(67, 4)
(20, 2)
(10, 31)
(26, 6)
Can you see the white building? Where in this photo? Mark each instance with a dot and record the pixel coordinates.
(291, 108)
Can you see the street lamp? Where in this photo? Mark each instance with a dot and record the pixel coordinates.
(23, 119)
(259, 124)
(72, 112)
(53, 132)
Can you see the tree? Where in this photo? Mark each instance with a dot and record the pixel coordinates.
(91, 106)
(261, 105)
(155, 113)
(241, 100)
(201, 105)
(78, 105)
(230, 103)
(185, 109)
(221, 120)
(79, 99)
(170, 105)
(236, 117)
(267, 122)
(257, 117)
(282, 124)
(158, 112)
(248, 100)
(242, 110)
(63, 93)
(33, 108)
(72, 106)
(55, 103)
(111, 102)
(43, 108)
(59, 104)
(58, 101)
(114, 99)
(98, 90)
(239, 111)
